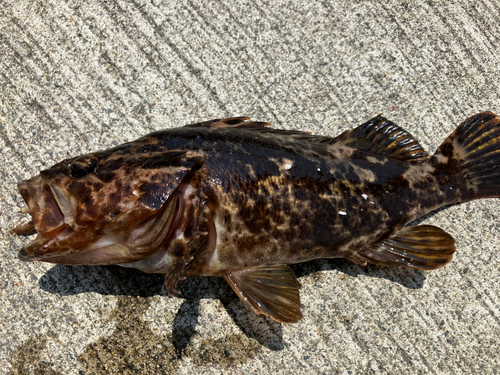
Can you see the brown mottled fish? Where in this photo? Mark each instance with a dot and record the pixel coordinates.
(237, 199)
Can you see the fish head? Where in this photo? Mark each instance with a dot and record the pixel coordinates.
(110, 207)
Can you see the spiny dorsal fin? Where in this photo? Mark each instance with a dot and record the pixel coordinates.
(233, 122)
(261, 127)
(424, 247)
(268, 290)
(382, 137)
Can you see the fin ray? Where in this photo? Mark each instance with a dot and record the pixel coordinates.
(268, 290)
(472, 152)
(382, 137)
(423, 247)
(378, 136)
(233, 122)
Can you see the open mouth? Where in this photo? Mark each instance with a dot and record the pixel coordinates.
(46, 204)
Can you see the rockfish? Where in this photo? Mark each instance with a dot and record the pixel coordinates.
(240, 200)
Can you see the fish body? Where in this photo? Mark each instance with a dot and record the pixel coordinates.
(240, 200)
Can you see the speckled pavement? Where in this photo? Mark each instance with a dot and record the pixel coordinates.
(78, 76)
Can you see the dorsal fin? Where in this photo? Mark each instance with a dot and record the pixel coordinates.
(378, 136)
(233, 122)
(261, 127)
(382, 137)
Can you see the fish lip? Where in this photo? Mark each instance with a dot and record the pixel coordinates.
(47, 216)
(29, 252)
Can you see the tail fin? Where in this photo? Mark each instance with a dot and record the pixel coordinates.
(472, 152)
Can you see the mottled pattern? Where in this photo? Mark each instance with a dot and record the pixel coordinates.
(226, 195)
(318, 207)
(285, 197)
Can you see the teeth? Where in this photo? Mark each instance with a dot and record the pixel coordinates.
(25, 210)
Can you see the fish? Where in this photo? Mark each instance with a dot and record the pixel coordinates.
(241, 200)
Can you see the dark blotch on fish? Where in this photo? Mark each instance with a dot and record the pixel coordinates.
(240, 200)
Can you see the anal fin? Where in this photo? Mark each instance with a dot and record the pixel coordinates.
(423, 247)
(268, 290)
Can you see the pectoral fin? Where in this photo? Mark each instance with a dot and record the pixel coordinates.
(423, 247)
(268, 290)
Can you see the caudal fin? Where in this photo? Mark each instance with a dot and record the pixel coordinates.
(472, 153)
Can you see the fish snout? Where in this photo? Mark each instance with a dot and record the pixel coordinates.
(47, 217)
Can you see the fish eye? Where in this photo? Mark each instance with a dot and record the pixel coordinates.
(83, 165)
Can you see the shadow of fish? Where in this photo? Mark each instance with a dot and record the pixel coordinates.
(240, 200)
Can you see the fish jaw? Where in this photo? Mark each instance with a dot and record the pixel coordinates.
(53, 213)
(50, 215)
(107, 255)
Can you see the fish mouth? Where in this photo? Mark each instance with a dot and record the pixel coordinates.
(50, 212)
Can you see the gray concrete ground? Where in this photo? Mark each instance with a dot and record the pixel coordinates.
(78, 76)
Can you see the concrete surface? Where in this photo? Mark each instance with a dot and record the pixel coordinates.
(78, 76)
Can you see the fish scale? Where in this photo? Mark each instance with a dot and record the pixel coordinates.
(241, 200)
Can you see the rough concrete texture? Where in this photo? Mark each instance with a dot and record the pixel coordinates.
(78, 76)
